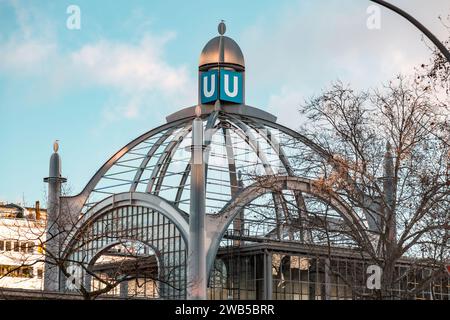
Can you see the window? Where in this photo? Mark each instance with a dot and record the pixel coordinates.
(8, 246)
(16, 271)
(2, 245)
(40, 273)
(26, 272)
(23, 247)
(30, 247)
(16, 246)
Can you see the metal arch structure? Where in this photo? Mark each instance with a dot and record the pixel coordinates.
(444, 51)
(160, 169)
(241, 123)
(150, 153)
(77, 202)
(112, 244)
(248, 156)
(160, 144)
(219, 223)
(130, 198)
(90, 264)
(84, 251)
(245, 155)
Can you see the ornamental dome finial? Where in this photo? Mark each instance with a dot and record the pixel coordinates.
(222, 50)
(56, 146)
(222, 28)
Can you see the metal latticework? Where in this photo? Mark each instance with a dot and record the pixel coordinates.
(239, 150)
(142, 234)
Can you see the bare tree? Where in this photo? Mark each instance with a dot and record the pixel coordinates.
(389, 159)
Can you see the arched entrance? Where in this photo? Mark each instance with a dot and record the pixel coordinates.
(132, 267)
(133, 238)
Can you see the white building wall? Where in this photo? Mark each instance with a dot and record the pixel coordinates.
(21, 254)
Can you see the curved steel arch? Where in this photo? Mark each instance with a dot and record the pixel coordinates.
(210, 130)
(114, 243)
(176, 216)
(150, 153)
(249, 138)
(251, 141)
(300, 137)
(98, 254)
(275, 145)
(221, 222)
(160, 169)
(77, 202)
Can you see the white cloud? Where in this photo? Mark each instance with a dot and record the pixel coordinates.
(26, 50)
(285, 104)
(130, 67)
(137, 72)
(302, 48)
(134, 71)
(24, 56)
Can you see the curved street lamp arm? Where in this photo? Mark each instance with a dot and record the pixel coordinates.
(420, 26)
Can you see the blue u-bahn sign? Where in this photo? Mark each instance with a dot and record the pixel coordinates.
(228, 88)
(209, 86)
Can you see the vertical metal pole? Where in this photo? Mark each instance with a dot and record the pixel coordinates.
(268, 281)
(54, 222)
(196, 267)
(123, 289)
(51, 272)
(87, 281)
(327, 280)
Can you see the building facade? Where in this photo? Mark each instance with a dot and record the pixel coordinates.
(22, 236)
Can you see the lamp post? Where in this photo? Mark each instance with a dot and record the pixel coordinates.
(445, 52)
(418, 25)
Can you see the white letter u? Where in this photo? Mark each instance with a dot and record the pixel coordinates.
(227, 86)
(209, 93)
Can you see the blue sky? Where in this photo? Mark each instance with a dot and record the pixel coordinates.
(134, 62)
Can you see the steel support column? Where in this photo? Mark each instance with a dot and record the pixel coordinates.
(327, 279)
(197, 276)
(268, 282)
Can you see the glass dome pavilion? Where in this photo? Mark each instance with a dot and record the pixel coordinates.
(258, 180)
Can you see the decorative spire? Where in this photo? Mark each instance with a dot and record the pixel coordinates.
(56, 146)
(222, 28)
(55, 166)
(198, 111)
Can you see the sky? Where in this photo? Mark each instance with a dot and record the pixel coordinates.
(131, 63)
